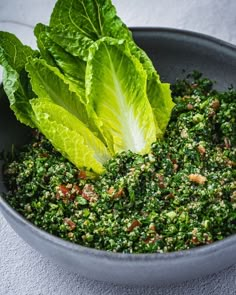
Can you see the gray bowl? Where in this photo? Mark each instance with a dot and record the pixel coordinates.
(171, 51)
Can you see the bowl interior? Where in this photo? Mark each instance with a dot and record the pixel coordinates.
(176, 53)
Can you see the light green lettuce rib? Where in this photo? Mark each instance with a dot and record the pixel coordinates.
(116, 89)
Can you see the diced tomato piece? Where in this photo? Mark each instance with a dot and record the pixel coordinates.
(63, 189)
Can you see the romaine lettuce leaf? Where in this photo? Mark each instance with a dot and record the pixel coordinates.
(91, 18)
(159, 95)
(49, 82)
(72, 67)
(41, 32)
(70, 136)
(72, 41)
(87, 21)
(13, 57)
(116, 88)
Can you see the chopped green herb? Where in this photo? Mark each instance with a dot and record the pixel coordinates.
(180, 195)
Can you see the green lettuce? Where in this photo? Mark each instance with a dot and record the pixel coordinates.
(91, 19)
(87, 21)
(13, 57)
(49, 82)
(116, 88)
(71, 66)
(70, 136)
(90, 89)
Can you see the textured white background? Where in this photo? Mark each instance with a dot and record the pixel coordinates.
(25, 272)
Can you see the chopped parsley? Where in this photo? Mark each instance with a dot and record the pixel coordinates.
(179, 196)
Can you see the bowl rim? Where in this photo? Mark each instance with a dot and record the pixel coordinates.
(186, 33)
(203, 251)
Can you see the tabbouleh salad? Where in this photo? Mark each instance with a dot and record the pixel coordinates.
(180, 195)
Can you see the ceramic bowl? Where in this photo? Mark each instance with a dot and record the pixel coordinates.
(172, 51)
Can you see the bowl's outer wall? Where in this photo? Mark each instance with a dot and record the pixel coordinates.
(172, 51)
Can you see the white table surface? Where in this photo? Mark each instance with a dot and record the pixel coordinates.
(23, 271)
